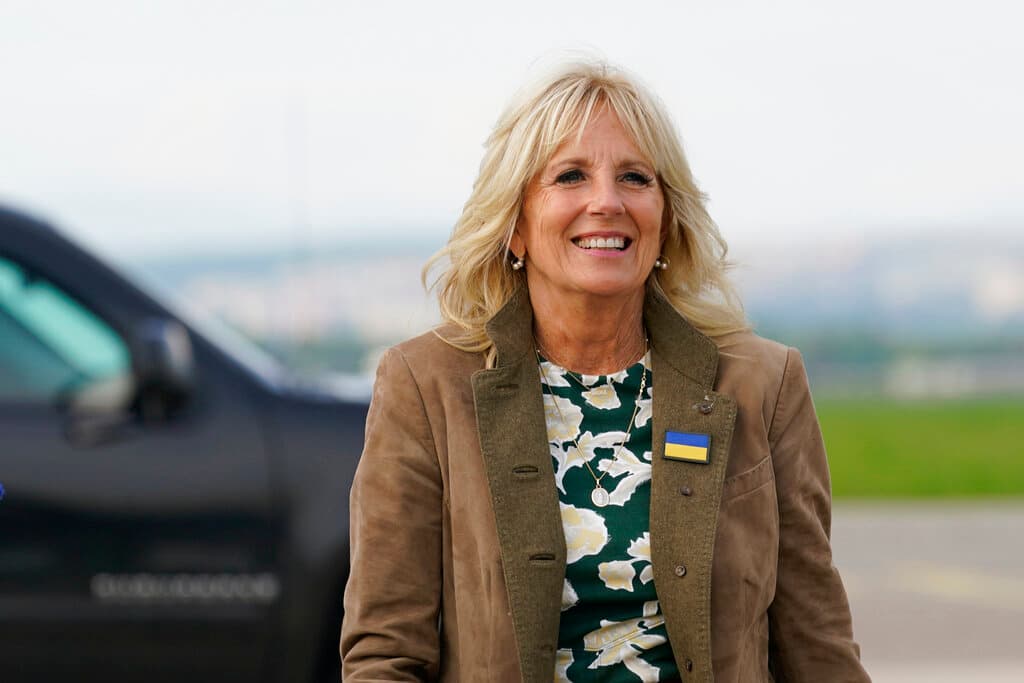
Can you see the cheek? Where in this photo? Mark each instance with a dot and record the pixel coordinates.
(650, 217)
(549, 221)
(534, 216)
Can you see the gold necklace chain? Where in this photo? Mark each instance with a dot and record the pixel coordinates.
(569, 373)
(599, 496)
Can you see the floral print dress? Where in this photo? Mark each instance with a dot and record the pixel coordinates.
(611, 627)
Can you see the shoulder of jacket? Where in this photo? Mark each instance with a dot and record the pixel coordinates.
(747, 359)
(748, 348)
(428, 354)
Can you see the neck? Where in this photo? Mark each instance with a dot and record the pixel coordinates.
(592, 338)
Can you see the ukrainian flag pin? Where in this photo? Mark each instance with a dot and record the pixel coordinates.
(688, 447)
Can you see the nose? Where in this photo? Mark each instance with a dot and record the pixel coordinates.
(605, 198)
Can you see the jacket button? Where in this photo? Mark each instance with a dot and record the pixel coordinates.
(685, 490)
(705, 407)
(688, 664)
(680, 570)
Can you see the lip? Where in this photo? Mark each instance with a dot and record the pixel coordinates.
(602, 233)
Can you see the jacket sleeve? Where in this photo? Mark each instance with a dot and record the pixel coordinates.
(811, 630)
(392, 599)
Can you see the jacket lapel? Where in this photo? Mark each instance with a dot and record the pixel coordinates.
(685, 496)
(513, 442)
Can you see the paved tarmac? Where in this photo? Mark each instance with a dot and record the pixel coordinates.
(936, 589)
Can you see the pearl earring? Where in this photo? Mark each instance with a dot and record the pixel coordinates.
(661, 263)
(519, 263)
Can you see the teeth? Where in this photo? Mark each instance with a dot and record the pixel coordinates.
(601, 242)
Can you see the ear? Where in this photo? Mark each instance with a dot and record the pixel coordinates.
(666, 222)
(517, 245)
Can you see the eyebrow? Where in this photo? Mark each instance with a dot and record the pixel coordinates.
(581, 161)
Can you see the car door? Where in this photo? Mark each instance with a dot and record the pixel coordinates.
(132, 547)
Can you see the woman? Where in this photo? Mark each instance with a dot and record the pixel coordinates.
(593, 471)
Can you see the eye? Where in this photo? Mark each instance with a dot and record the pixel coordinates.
(637, 178)
(570, 177)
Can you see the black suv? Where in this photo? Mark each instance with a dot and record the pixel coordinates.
(171, 509)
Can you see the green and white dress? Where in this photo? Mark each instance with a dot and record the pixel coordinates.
(611, 626)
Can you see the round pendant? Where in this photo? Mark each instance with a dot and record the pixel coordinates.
(599, 497)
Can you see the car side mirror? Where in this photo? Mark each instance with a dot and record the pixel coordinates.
(164, 367)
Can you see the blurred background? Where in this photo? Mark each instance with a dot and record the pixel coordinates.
(287, 167)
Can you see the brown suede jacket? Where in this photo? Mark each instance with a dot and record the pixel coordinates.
(457, 548)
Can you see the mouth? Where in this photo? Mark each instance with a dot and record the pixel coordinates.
(613, 243)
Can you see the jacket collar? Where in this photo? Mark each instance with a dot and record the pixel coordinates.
(511, 328)
(679, 343)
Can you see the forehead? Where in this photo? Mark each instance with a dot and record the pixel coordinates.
(603, 134)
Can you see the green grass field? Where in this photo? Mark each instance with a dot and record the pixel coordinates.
(886, 448)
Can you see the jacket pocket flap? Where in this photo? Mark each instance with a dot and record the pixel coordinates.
(747, 481)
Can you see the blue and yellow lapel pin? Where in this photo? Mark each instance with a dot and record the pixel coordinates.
(688, 447)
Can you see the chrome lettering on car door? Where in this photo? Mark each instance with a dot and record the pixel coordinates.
(177, 588)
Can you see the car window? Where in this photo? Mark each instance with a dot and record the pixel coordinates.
(49, 343)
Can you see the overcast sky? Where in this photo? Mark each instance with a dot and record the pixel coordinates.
(155, 127)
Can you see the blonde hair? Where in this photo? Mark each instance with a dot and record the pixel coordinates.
(476, 280)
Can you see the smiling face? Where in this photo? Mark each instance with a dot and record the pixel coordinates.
(591, 222)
